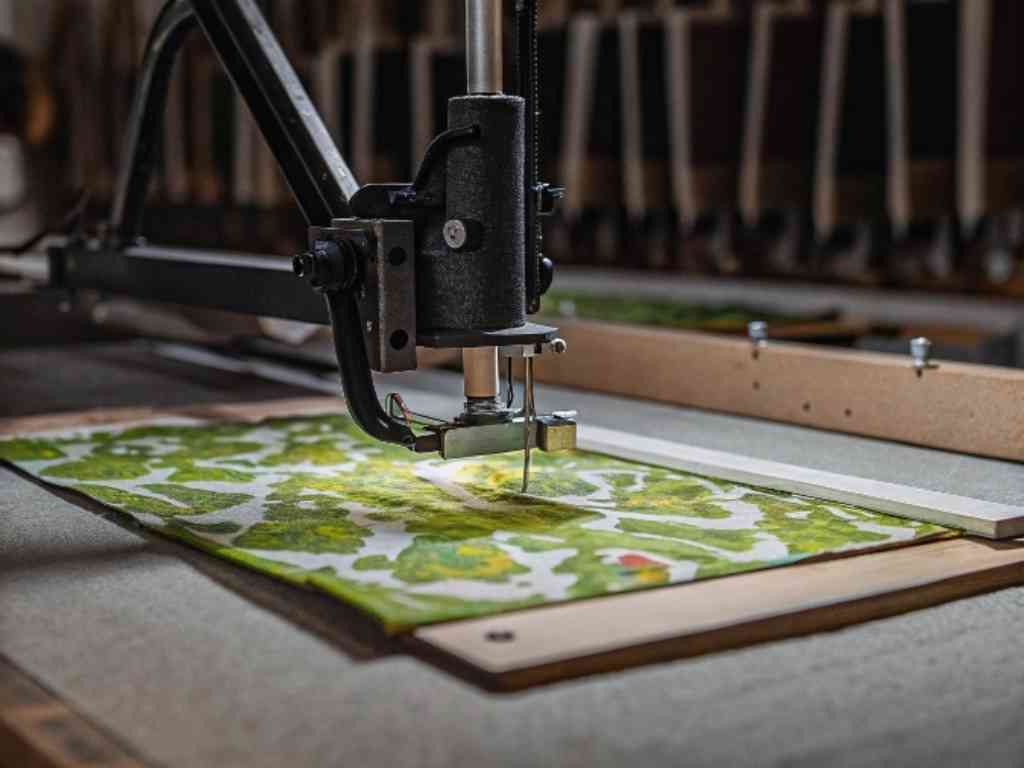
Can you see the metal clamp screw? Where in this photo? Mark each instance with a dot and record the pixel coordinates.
(921, 353)
(757, 331)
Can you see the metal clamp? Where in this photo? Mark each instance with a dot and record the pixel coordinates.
(380, 267)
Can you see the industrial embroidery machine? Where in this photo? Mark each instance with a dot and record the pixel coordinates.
(192, 660)
(453, 259)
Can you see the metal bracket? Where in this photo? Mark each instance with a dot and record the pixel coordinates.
(387, 288)
(517, 351)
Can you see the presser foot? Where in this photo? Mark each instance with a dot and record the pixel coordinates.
(554, 431)
(489, 424)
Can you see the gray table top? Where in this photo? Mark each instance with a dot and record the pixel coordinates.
(195, 663)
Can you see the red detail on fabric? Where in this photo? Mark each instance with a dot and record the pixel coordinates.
(639, 561)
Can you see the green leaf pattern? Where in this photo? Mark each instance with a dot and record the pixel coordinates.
(413, 539)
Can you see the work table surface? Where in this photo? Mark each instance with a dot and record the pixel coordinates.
(192, 662)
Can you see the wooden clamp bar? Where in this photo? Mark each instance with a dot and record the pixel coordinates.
(952, 406)
(581, 637)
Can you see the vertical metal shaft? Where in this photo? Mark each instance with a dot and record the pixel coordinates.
(480, 372)
(529, 413)
(483, 76)
(483, 46)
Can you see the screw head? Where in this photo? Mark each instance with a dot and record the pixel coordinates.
(921, 349)
(455, 234)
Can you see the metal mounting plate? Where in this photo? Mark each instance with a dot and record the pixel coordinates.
(387, 302)
(529, 333)
(549, 432)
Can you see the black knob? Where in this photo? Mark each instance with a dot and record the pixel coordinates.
(330, 266)
(302, 264)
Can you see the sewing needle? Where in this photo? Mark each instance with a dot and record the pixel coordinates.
(528, 414)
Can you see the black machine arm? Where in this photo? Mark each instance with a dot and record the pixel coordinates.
(452, 259)
(143, 133)
(316, 173)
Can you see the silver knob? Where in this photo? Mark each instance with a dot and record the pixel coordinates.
(921, 352)
(757, 330)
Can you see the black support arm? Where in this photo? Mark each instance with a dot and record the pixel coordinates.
(146, 121)
(317, 174)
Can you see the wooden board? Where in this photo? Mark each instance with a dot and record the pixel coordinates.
(958, 407)
(38, 730)
(525, 648)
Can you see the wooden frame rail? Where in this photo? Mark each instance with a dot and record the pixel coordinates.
(960, 407)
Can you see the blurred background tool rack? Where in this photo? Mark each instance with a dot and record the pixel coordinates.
(848, 142)
(869, 145)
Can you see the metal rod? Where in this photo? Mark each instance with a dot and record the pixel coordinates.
(483, 46)
(480, 372)
(483, 76)
(529, 414)
(218, 280)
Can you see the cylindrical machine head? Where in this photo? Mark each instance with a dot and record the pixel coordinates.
(481, 284)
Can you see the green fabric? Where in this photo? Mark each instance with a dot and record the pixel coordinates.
(413, 539)
(664, 313)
